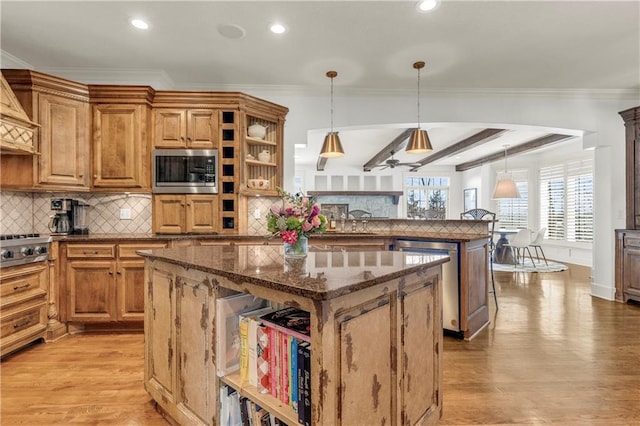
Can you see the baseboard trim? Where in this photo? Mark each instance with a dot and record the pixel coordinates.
(603, 292)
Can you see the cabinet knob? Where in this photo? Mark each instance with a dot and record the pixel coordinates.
(81, 175)
(95, 176)
(119, 272)
(188, 204)
(110, 272)
(182, 138)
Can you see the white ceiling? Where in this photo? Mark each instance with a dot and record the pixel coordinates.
(590, 46)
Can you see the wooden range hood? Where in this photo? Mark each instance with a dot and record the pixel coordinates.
(16, 130)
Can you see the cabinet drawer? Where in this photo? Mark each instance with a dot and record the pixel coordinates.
(91, 251)
(632, 241)
(20, 283)
(24, 320)
(128, 251)
(21, 288)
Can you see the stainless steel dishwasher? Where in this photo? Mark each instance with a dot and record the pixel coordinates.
(450, 279)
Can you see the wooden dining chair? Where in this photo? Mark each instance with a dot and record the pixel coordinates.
(483, 214)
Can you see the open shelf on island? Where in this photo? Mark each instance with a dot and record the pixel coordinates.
(265, 400)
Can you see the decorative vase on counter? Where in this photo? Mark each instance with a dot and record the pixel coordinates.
(295, 266)
(264, 156)
(298, 250)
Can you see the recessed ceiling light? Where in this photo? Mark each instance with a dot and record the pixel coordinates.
(427, 5)
(231, 31)
(140, 24)
(277, 28)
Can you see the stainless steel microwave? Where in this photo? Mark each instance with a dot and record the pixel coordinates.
(185, 171)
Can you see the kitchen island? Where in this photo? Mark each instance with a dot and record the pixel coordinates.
(376, 330)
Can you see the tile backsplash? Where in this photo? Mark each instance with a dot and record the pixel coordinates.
(23, 212)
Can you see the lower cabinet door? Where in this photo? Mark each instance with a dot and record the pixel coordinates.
(631, 278)
(92, 291)
(194, 335)
(130, 290)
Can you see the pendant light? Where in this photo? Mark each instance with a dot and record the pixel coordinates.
(505, 186)
(332, 148)
(419, 142)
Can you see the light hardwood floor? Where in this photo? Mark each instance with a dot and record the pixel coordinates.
(552, 354)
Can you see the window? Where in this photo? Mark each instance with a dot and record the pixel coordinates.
(566, 201)
(513, 213)
(427, 197)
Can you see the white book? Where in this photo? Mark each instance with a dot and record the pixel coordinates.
(228, 310)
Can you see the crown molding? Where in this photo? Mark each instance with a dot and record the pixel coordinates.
(160, 80)
(7, 60)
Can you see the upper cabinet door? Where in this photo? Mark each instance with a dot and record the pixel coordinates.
(185, 128)
(120, 154)
(64, 136)
(201, 129)
(170, 128)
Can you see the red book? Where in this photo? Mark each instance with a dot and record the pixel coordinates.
(284, 368)
(273, 382)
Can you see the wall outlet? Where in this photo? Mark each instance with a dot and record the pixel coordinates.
(125, 214)
(256, 213)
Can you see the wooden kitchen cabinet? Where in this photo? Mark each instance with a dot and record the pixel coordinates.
(177, 214)
(61, 107)
(631, 119)
(105, 282)
(120, 155)
(23, 305)
(627, 249)
(185, 128)
(627, 273)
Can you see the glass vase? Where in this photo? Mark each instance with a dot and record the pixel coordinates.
(299, 249)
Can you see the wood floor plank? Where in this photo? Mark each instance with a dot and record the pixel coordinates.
(551, 355)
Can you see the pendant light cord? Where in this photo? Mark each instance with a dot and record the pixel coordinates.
(331, 104)
(418, 99)
(418, 66)
(332, 75)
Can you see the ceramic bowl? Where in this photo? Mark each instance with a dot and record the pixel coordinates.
(258, 183)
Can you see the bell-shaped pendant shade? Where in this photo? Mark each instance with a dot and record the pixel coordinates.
(505, 188)
(332, 148)
(419, 142)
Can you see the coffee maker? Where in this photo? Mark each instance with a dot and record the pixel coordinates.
(72, 216)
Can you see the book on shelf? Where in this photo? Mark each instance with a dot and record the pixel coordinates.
(293, 321)
(248, 322)
(284, 368)
(304, 383)
(263, 351)
(228, 310)
(293, 374)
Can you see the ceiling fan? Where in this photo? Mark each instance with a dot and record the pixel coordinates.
(392, 163)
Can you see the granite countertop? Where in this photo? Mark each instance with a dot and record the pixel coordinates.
(432, 236)
(324, 274)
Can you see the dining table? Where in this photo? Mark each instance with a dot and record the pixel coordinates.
(503, 252)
